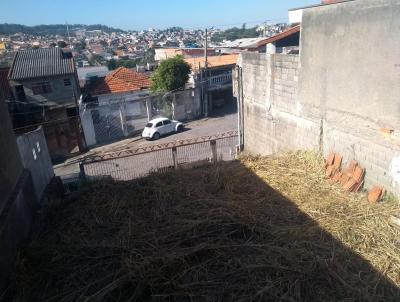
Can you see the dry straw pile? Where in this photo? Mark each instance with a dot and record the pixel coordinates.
(259, 229)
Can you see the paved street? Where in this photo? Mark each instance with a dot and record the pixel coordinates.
(223, 122)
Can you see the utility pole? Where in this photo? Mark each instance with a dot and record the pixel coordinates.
(206, 51)
(69, 37)
(205, 82)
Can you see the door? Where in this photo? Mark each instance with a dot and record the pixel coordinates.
(168, 126)
(160, 128)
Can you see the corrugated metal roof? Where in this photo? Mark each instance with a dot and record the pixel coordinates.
(243, 43)
(42, 62)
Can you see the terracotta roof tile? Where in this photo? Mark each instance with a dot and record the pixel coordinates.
(375, 194)
(120, 80)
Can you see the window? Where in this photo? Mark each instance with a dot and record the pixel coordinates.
(67, 82)
(159, 124)
(41, 88)
(167, 122)
(149, 125)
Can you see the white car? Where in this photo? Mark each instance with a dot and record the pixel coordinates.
(161, 126)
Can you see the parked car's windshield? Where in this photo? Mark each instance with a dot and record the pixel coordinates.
(149, 125)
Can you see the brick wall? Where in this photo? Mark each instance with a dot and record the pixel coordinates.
(272, 115)
(275, 121)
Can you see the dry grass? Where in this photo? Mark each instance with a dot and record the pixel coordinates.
(222, 233)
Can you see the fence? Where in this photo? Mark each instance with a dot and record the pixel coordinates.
(135, 163)
(63, 137)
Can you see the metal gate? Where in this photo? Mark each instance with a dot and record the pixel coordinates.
(134, 163)
(107, 124)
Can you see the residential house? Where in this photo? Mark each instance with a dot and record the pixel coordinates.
(240, 45)
(115, 106)
(44, 83)
(287, 41)
(215, 81)
(86, 73)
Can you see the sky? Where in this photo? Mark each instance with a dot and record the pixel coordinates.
(142, 14)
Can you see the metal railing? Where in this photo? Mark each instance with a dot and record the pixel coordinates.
(220, 79)
(134, 163)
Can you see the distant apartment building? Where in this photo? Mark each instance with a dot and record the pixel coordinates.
(44, 83)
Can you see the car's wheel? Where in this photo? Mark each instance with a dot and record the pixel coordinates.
(156, 136)
(180, 128)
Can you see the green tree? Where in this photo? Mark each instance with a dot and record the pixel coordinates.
(95, 60)
(61, 44)
(79, 46)
(128, 63)
(112, 64)
(235, 33)
(172, 74)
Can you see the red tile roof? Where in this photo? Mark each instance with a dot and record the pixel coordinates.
(120, 80)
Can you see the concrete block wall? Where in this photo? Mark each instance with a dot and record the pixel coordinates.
(370, 149)
(285, 81)
(275, 120)
(272, 115)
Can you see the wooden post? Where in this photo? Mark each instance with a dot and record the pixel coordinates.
(174, 158)
(213, 145)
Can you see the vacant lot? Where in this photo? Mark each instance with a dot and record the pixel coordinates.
(258, 229)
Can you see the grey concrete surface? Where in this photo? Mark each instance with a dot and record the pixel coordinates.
(340, 93)
(350, 60)
(10, 161)
(15, 225)
(35, 157)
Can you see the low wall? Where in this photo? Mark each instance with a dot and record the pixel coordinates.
(272, 115)
(15, 225)
(125, 123)
(35, 157)
(16, 219)
(275, 120)
(10, 163)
